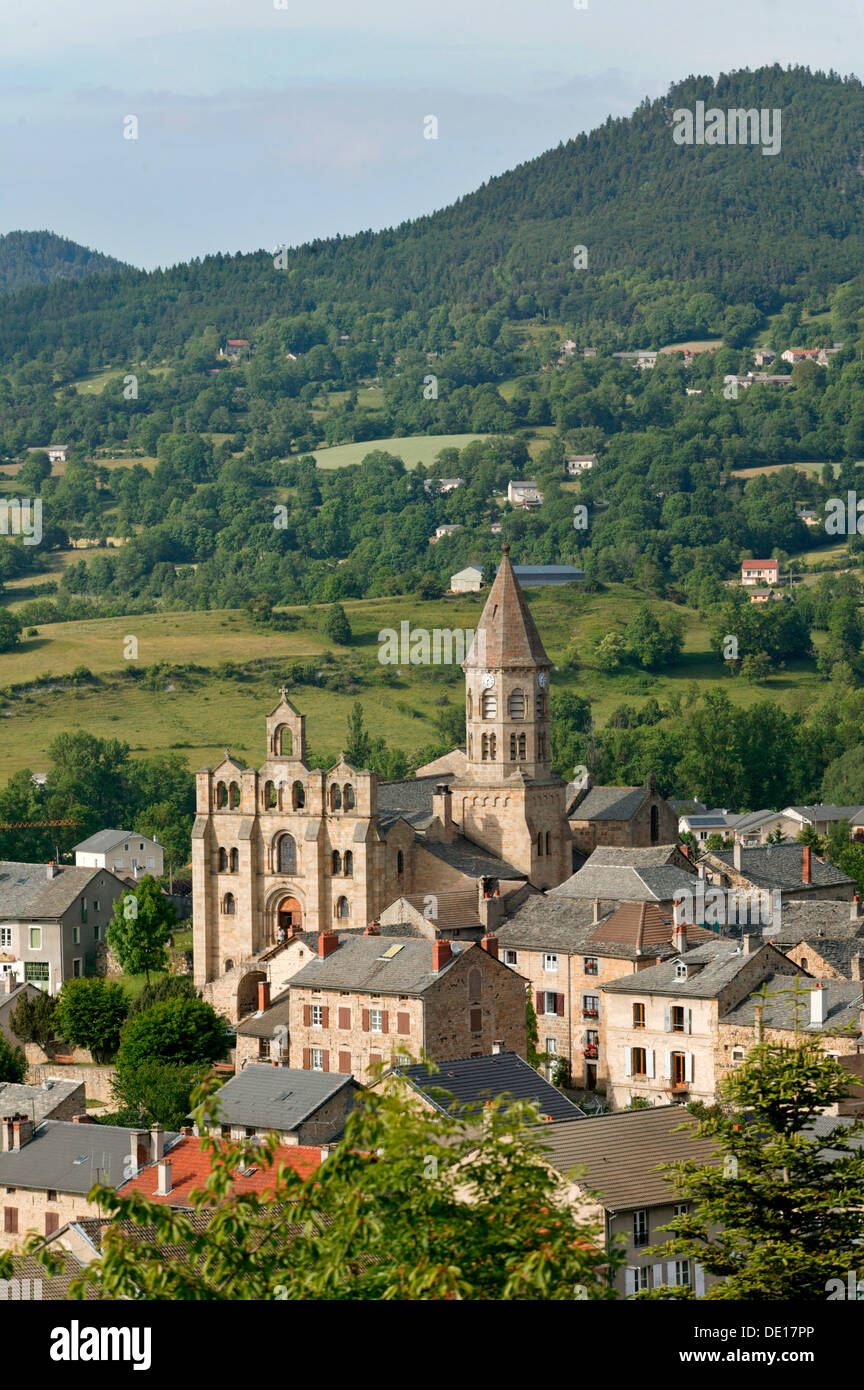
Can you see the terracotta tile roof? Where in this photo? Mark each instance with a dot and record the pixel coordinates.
(190, 1166)
(642, 925)
(509, 631)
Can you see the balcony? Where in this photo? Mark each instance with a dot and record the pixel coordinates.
(589, 1050)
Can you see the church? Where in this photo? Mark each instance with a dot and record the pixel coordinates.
(288, 848)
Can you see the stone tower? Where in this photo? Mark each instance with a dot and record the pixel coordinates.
(508, 799)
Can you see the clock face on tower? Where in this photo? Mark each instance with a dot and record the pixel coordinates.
(488, 681)
(542, 680)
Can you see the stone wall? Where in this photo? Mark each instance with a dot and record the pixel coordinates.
(97, 1079)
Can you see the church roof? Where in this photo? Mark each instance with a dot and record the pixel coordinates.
(506, 634)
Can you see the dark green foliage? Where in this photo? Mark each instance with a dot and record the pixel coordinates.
(37, 258)
(154, 1092)
(178, 1030)
(141, 926)
(13, 1063)
(91, 1013)
(34, 1020)
(165, 987)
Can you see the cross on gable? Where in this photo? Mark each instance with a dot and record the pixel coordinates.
(283, 691)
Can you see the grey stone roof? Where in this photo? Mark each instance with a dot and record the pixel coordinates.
(781, 866)
(27, 892)
(838, 954)
(815, 917)
(410, 799)
(469, 1082)
(827, 811)
(842, 1004)
(473, 861)
(279, 1098)
(622, 882)
(104, 840)
(37, 1101)
(262, 1025)
(71, 1158)
(834, 1126)
(544, 923)
(357, 964)
(608, 803)
(718, 961)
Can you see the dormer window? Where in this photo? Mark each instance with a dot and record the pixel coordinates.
(680, 970)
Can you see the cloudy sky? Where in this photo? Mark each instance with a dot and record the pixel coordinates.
(261, 126)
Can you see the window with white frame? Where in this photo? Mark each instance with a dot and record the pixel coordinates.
(510, 958)
(376, 1020)
(76, 968)
(5, 936)
(316, 1017)
(640, 1277)
(640, 1228)
(680, 970)
(591, 1005)
(681, 1208)
(682, 1273)
(550, 1002)
(591, 965)
(76, 936)
(550, 960)
(317, 1058)
(552, 1046)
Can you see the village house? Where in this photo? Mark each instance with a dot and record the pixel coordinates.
(612, 875)
(764, 356)
(523, 494)
(817, 919)
(662, 1023)
(636, 817)
(829, 958)
(467, 581)
(760, 572)
(369, 999)
(765, 596)
(793, 355)
(620, 1161)
(791, 869)
(54, 1099)
(827, 1010)
(186, 1165)
(11, 994)
(449, 529)
(302, 1107)
(236, 349)
(576, 464)
(53, 920)
(124, 852)
(465, 1086)
(536, 576)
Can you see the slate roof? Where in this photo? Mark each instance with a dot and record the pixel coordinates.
(842, 1004)
(458, 908)
(608, 803)
(619, 1154)
(548, 924)
(621, 882)
(510, 636)
(410, 799)
(27, 892)
(48, 1160)
(815, 917)
(36, 1101)
(782, 866)
(838, 954)
(719, 960)
(279, 1098)
(472, 860)
(262, 1025)
(469, 1082)
(357, 965)
(827, 811)
(104, 840)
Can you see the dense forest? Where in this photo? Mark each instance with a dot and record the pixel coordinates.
(39, 258)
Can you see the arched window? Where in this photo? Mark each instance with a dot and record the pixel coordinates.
(516, 704)
(268, 796)
(348, 864)
(235, 860)
(470, 747)
(337, 862)
(488, 748)
(343, 911)
(284, 742)
(233, 796)
(221, 796)
(655, 825)
(541, 748)
(298, 796)
(512, 748)
(489, 704)
(287, 855)
(492, 745)
(229, 965)
(400, 862)
(335, 797)
(522, 746)
(223, 861)
(228, 905)
(348, 797)
(474, 984)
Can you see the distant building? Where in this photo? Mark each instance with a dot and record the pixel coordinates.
(236, 348)
(580, 463)
(534, 576)
(467, 581)
(760, 571)
(626, 816)
(764, 356)
(57, 453)
(765, 596)
(800, 354)
(466, 1085)
(523, 494)
(302, 1107)
(808, 515)
(124, 852)
(442, 531)
(53, 920)
(589, 352)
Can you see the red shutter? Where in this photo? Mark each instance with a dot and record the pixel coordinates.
(365, 1020)
(384, 1021)
(374, 1059)
(10, 1220)
(307, 1015)
(403, 1023)
(559, 1001)
(344, 1018)
(476, 1020)
(540, 1002)
(325, 1019)
(52, 1222)
(307, 1059)
(345, 1062)
(325, 1060)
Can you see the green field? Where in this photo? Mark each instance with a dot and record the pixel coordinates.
(412, 449)
(202, 713)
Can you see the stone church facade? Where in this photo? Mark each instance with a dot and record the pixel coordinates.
(286, 847)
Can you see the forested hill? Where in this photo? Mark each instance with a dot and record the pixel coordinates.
(676, 235)
(39, 258)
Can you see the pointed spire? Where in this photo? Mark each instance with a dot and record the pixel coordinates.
(509, 634)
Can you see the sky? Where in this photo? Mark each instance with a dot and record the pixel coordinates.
(260, 126)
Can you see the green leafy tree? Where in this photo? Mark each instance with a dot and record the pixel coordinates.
(336, 625)
(13, 1063)
(166, 987)
(91, 1014)
(176, 1030)
(776, 1218)
(140, 927)
(34, 1020)
(10, 631)
(843, 783)
(155, 1092)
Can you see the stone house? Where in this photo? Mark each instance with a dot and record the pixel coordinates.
(367, 1000)
(11, 995)
(54, 1099)
(760, 572)
(618, 1157)
(793, 870)
(467, 581)
(829, 959)
(302, 1107)
(53, 921)
(662, 1023)
(635, 817)
(612, 875)
(464, 1086)
(827, 1010)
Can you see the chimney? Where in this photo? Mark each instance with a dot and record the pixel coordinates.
(490, 907)
(855, 910)
(442, 811)
(856, 967)
(263, 995)
(679, 938)
(372, 929)
(327, 943)
(751, 941)
(22, 1131)
(136, 1141)
(736, 855)
(51, 870)
(490, 944)
(441, 953)
(497, 1048)
(157, 1143)
(805, 865)
(596, 916)
(163, 1182)
(9, 982)
(6, 1134)
(817, 1003)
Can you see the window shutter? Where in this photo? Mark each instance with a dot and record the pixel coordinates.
(325, 1019)
(365, 1020)
(628, 1062)
(649, 1061)
(403, 1023)
(670, 1272)
(658, 1275)
(688, 1020)
(540, 1002)
(667, 1064)
(475, 1020)
(688, 1066)
(667, 1018)
(559, 1001)
(307, 1015)
(385, 1020)
(325, 1060)
(699, 1280)
(307, 1058)
(344, 1018)
(345, 1061)
(374, 1059)
(629, 1282)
